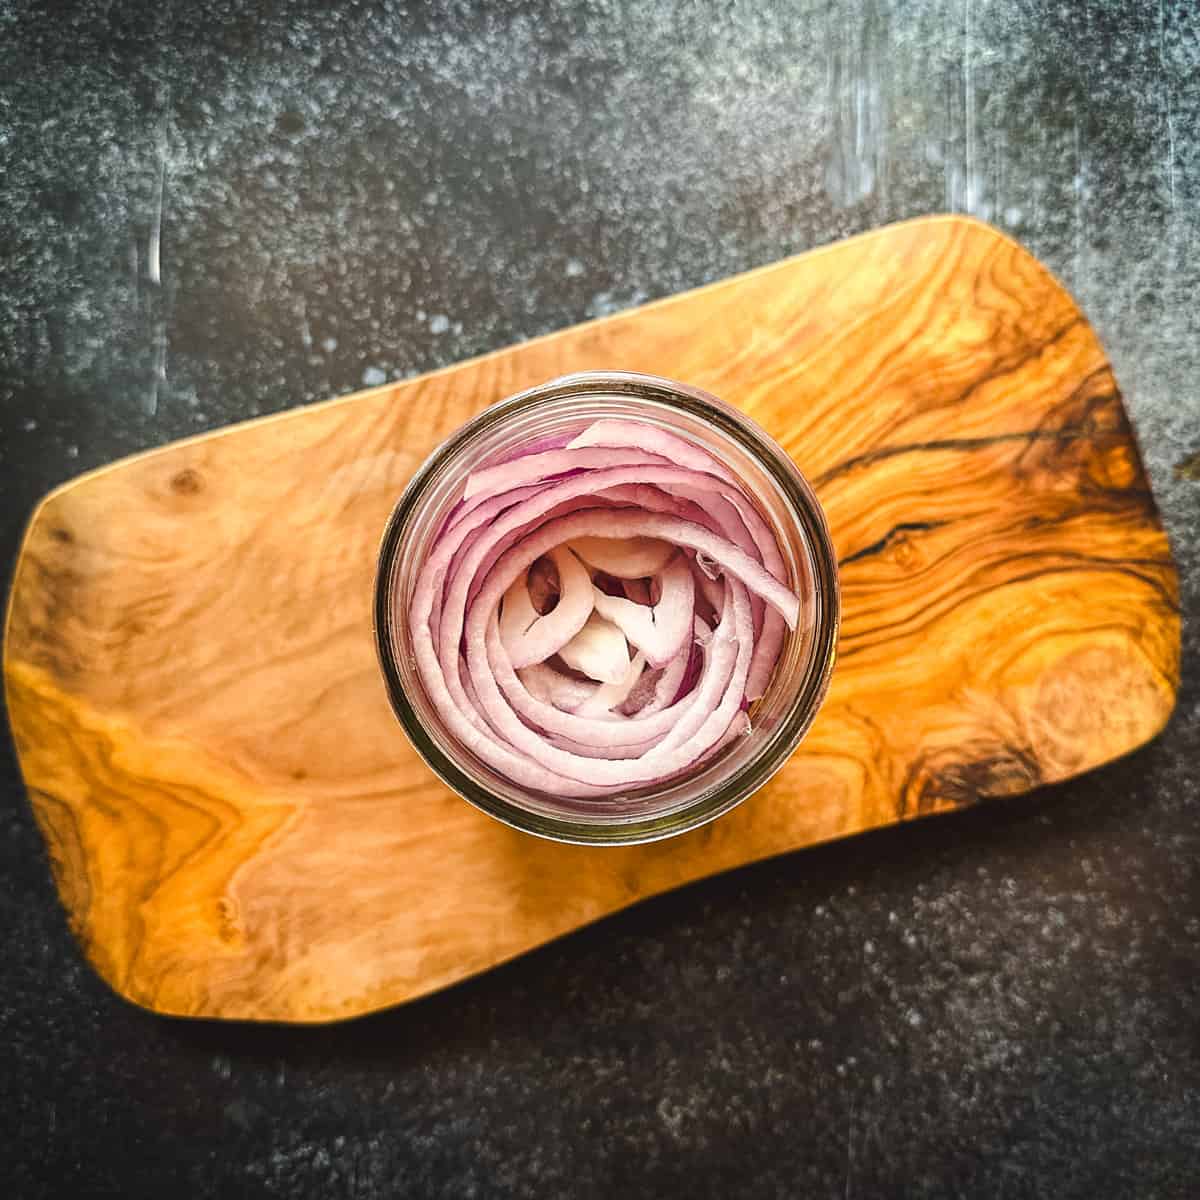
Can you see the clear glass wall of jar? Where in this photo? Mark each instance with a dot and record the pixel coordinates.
(768, 478)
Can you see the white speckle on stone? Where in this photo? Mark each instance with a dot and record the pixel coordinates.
(602, 304)
(439, 323)
(373, 377)
(574, 268)
(72, 451)
(29, 426)
(329, 344)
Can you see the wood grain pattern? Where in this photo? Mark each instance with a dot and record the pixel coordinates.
(238, 827)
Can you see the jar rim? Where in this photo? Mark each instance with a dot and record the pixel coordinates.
(810, 693)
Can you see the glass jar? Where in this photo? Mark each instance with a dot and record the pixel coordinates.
(768, 478)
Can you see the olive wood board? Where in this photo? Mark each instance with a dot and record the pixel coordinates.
(239, 829)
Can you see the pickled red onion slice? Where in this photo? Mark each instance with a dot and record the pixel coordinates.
(658, 630)
(530, 637)
(599, 650)
(611, 695)
(624, 558)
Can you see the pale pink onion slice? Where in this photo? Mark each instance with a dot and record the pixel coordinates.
(533, 468)
(642, 692)
(553, 687)
(659, 631)
(612, 695)
(624, 558)
(711, 590)
(637, 436)
(599, 650)
(772, 635)
(672, 684)
(625, 750)
(682, 671)
(738, 727)
(721, 514)
(529, 637)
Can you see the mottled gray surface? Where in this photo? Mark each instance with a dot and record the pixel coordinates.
(211, 211)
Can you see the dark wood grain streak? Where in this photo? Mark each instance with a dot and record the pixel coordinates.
(236, 825)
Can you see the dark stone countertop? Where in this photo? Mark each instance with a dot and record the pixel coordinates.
(209, 211)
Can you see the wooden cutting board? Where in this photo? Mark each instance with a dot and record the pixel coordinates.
(239, 829)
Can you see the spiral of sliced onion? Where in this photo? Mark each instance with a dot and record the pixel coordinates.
(597, 616)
